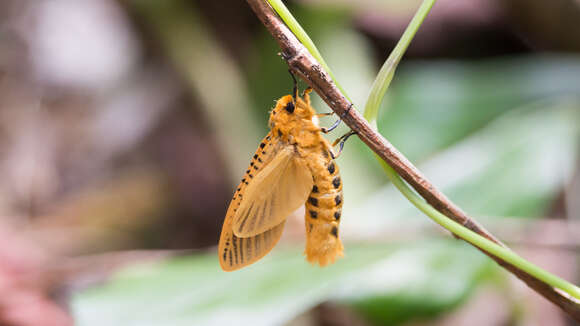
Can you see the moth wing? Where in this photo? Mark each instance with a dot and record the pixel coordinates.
(235, 253)
(280, 188)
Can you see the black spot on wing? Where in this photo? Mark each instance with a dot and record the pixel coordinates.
(337, 215)
(337, 199)
(262, 145)
(315, 189)
(313, 214)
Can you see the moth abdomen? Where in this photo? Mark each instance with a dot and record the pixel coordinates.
(323, 212)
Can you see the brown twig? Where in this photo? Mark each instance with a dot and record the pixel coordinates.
(302, 63)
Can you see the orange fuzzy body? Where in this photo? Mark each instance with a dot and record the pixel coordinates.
(292, 166)
(323, 210)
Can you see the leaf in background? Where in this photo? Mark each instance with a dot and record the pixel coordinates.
(419, 282)
(194, 291)
(514, 166)
(433, 105)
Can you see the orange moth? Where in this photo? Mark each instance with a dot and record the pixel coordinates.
(293, 166)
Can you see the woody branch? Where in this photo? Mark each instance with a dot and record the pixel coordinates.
(302, 63)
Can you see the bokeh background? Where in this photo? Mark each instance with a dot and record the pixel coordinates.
(126, 125)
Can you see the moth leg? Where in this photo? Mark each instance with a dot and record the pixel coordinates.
(295, 86)
(341, 140)
(325, 114)
(335, 124)
(306, 95)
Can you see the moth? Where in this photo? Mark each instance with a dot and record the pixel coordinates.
(293, 166)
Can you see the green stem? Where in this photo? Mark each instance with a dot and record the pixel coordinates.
(385, 75)
(376, 95)
(475, 239)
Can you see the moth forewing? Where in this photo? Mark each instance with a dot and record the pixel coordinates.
(274, 193)
(235, 252)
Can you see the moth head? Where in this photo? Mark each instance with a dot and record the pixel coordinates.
(289, 111)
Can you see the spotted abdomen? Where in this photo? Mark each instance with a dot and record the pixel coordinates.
(323, 212)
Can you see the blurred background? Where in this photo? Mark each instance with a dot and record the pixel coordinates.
(126, 125)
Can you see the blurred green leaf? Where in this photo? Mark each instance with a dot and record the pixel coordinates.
(514, 166)
(194, 291)
(433, 105)
(422, 282)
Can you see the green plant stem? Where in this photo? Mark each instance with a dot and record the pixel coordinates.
(385, 75)
(376, 95)
(378, 90)
(477, 240)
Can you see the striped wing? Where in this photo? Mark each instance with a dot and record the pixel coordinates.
(277, 190)
(236, 251)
